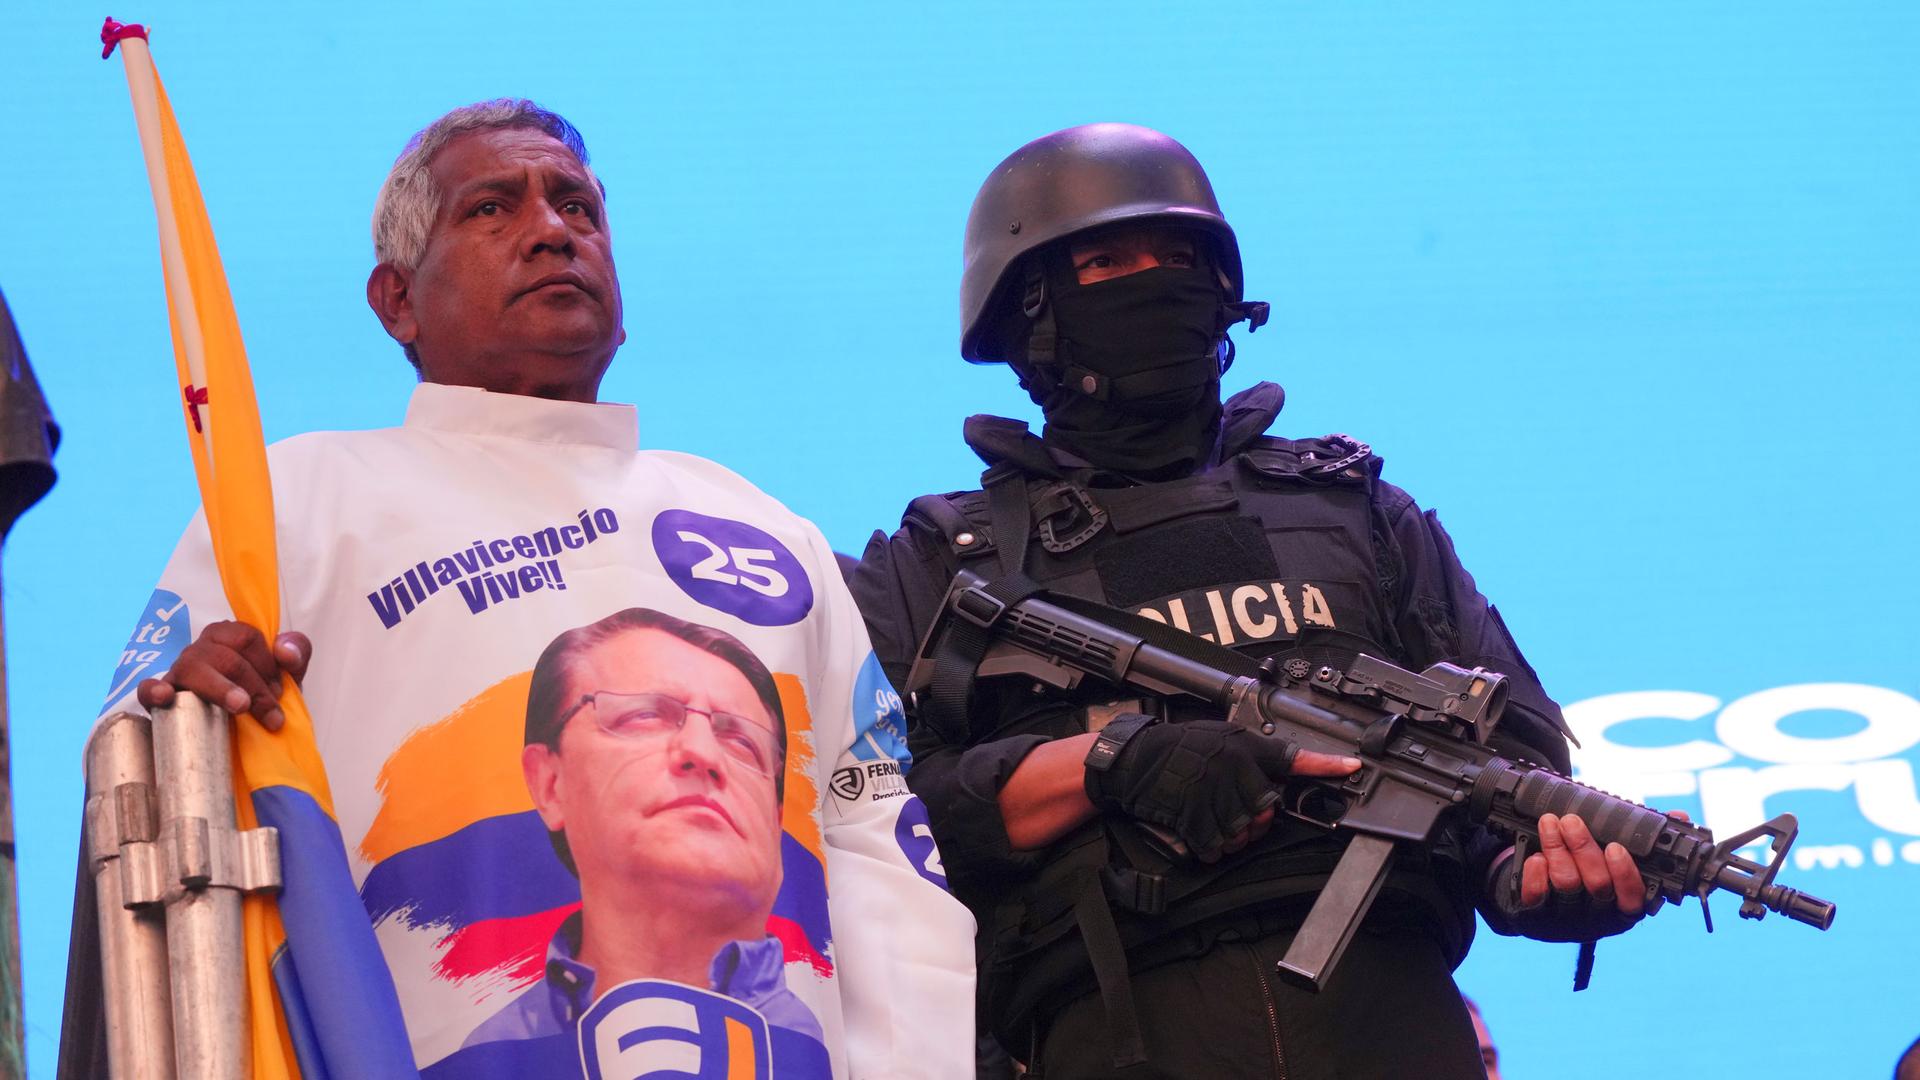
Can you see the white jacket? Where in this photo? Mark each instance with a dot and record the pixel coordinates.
(432, 563)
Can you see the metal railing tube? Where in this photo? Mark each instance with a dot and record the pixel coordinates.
(200, 852)
(122, 825)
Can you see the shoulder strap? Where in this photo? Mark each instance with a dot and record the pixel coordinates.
(1108, 957)
(947, 704)
(1011, 514)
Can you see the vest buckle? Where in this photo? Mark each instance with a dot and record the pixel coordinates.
(1131, 890)
(979, 608)
(1095, 520)
(1357, 452)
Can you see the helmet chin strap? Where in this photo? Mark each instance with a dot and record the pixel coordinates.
(1042, 335)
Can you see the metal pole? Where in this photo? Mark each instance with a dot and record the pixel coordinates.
(28, 438)
(170, 869)
(208, 865)
(13, 1051)
(122, 824)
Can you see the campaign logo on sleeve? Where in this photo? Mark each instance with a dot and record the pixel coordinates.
(879, 720)
(654, 1030)
(915, 837)
(849, 782)
(876, 780)
(733, 567)
(162, 630)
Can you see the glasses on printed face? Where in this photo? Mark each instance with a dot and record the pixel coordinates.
(652, 716)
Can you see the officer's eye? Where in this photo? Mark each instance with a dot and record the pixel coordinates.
(1178, 258)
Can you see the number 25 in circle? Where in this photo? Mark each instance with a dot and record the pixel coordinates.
(732, 566)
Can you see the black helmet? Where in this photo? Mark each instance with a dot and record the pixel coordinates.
(1070, 181)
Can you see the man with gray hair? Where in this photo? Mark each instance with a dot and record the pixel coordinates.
(510, 486)
(541, 326)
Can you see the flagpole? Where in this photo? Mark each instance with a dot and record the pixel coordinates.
(279, 777)
(217, 996)
(143, 85)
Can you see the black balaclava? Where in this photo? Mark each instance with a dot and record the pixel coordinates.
(1149, 345)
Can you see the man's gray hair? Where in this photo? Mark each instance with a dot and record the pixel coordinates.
(404, 212)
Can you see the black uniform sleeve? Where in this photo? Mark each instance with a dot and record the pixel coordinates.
(1440, 615)
(896, 607)
(898, 586)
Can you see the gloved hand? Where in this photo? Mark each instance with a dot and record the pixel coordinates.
(1205, 780)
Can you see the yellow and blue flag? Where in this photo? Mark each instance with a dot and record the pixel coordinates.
(321, 1000)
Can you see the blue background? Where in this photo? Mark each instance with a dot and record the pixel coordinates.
(1627, 291)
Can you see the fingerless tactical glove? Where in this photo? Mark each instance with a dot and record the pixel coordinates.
(1204, 779)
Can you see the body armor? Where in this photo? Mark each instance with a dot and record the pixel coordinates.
(1274, 551)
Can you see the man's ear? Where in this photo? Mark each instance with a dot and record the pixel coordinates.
(542, 772)
(390, 295)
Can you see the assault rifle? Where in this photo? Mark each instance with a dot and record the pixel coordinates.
(1422, 739)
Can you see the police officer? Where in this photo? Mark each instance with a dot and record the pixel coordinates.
(1099, 267)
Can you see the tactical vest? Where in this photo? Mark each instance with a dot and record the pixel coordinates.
(1273, 552)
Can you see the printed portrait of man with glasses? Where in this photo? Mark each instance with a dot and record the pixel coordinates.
(655, 754)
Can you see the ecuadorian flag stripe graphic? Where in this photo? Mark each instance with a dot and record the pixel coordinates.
(511, 854)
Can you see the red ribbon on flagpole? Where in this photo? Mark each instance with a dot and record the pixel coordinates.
(113, 33)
